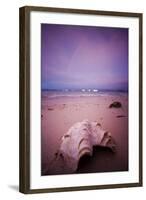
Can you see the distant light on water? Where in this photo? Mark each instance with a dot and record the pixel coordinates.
(89, 90)
(95, 90)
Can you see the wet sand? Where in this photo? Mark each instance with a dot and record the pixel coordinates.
(59, 114)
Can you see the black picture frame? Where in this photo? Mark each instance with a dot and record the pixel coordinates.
(24, 142)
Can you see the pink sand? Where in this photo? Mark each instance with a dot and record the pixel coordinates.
(58, 115)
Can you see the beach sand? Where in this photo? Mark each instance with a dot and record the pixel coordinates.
(59, 114)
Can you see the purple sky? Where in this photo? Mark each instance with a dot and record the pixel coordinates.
(84, 57)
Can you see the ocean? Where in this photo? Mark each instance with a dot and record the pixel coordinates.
(69, 93)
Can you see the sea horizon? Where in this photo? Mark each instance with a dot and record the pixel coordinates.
(73, 93)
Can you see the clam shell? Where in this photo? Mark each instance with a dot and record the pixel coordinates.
(79, 141)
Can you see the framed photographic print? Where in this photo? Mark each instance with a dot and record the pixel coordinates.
(80, 99)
